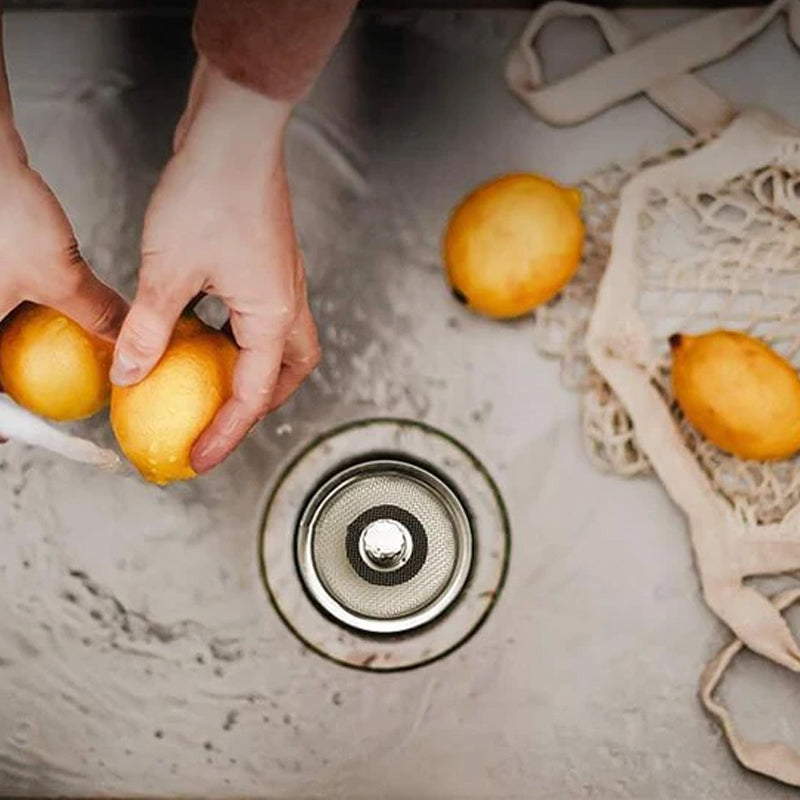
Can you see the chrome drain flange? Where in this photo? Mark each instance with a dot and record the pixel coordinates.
(396, 556)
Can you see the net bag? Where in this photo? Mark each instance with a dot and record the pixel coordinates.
(704, 236)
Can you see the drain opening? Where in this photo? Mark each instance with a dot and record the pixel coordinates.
(386, 569)
(384, 546)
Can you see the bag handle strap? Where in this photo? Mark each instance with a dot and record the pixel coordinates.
(659, 66)
(771, 758)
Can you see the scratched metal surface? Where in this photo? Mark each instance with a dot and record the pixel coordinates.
(138, 651)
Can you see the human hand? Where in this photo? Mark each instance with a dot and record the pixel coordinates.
(39, 254)
(220, 222)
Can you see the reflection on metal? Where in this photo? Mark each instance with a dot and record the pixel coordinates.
(385, 545)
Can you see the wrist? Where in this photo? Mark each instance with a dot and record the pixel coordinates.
(222, 115)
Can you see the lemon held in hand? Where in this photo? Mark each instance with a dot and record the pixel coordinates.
(513, 244)
(50, 365)
(158, 420)
(738, 392)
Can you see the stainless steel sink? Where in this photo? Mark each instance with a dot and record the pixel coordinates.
(139, 650)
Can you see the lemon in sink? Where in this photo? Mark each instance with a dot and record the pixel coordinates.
(158, 420)
(738, 392)
(513, 243)
(53, 367)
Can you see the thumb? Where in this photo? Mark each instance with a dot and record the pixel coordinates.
(84, 298)
(146, 331)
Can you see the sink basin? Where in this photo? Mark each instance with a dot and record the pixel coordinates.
(140, 653)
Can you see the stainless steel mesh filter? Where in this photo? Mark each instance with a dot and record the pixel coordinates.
(381, 501)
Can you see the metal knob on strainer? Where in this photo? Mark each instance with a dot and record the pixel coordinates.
(384, 546)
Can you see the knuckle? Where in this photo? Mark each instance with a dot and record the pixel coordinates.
(258, 404)
(252, 409)
(162, 293)
(157, 279)
(312, 359)
(152, 289)
(262, 331)
(148, 279)
(300, 278)
(260, 410)
(281, 319)
(74, 257)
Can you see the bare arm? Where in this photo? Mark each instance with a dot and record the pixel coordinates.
(5, 95)
(10, 143)
(277, 47)
(39, 257)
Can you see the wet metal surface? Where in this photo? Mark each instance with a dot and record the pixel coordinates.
(138, 650)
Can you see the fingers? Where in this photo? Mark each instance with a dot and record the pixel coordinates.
(264, 379)
(301, 357)
(261, 337)
(83, 297)
(253, 386)
(148, 327)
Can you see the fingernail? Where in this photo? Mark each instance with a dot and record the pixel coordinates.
(204, 459)
(124, 372)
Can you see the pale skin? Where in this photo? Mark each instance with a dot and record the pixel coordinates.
(219, 220)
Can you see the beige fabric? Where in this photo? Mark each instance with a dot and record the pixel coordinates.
(705, 235)
(674, 267)
(560, 327)
(771, 758)
(658, 66)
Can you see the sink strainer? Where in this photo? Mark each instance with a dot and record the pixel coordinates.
(384, 545)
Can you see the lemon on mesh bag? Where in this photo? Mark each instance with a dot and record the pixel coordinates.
(738, 392)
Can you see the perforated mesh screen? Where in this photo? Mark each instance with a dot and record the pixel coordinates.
(330, 554)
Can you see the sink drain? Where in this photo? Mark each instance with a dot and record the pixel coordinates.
(384, 545)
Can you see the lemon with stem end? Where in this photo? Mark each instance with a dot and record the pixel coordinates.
(738, 392)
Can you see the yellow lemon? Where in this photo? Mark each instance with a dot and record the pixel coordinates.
(513, 243)
(738, 392)
(158, 420)
(50, 365)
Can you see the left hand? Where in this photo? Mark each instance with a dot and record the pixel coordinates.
(220, 222)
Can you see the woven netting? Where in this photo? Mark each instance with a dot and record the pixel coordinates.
(727, 258)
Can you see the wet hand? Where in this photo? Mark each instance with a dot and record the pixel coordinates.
(39, 256)
(220, 222)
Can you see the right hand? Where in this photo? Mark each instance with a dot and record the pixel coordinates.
(39, 256)
(220, 222)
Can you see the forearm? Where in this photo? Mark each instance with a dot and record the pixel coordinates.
(276, 47)
(10, 144)
(6, 113)
(5, 95)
